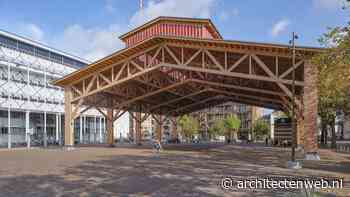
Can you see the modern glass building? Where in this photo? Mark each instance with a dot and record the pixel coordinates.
(30, 104)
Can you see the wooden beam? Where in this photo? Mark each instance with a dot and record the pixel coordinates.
(279, 83)
(255, 103)
(76, 90)
(118, 82)
(238, 87)
(154, 57)
(193, 56)
(119, 106)
(157, 86)
(178, 99)
(194, 104)
(283, 75)
(121, 71)
(232, 74)
(99, 110)
(77, 108)
(264, 99)
(172, 54)
(104, 78)
(91, 83)
(136, 65)
(117, 116)
(212, 58)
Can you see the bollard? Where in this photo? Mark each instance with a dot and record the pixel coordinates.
(28, 140)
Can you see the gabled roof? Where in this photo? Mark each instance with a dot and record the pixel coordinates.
(207, 22)
(152, 41)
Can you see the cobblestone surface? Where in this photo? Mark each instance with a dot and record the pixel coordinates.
(180, 170)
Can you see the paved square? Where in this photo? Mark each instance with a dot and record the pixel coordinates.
(181, 170)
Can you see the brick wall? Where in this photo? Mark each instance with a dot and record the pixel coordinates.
(310, 101)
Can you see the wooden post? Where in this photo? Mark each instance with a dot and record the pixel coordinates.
(110, 131)
(159, 128)
(174, 134)
(68, 118)
(138, 128)
(131, 127)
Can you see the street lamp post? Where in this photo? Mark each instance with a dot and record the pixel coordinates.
(294, 138)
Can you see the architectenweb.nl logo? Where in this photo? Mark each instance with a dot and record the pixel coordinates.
(281, 183)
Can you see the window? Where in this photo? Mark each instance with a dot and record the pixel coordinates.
(69, 61)
(42, 53)
(26, 48)
(56, 58)
(8, 42)
(3, 131)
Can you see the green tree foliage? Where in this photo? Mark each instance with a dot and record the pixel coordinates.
(261, 128)
(189, 126)
(232, 123)
(218, 128)
(334, 77)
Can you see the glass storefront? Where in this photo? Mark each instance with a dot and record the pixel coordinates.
(92, 132)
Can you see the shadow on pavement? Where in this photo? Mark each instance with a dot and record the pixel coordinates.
(174, 173)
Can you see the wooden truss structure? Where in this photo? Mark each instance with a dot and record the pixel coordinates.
(171, 76)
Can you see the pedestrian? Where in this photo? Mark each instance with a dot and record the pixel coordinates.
(157, 147)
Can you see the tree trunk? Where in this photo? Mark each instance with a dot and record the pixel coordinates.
(334, 137)
(323, 133)
(326, 135)
(235, 136)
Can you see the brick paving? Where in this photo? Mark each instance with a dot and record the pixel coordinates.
(180, 170)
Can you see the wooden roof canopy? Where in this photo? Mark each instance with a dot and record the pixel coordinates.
(180, 65)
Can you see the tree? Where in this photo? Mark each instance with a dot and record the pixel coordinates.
(189, 126)
(218, 128)
(261, 128)
(232, 124)
(334, 71)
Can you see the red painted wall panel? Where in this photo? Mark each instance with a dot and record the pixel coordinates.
(170, 29)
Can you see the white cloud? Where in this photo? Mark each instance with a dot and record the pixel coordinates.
(227, 14)
(89, 43)
(33, 31)
(179, 8)
(109, 6)
(97, 42)
(329, 4)
(279, 27)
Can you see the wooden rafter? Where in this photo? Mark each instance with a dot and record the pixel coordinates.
(283, 75)
(159, 73)
(120, 105)
(247, 96)
(270, 73)
(178, 99)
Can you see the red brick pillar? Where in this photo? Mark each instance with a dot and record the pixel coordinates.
(310, 110)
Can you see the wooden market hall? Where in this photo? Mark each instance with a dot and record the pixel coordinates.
(173, 66)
